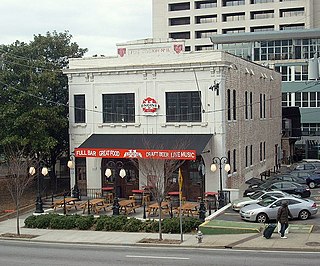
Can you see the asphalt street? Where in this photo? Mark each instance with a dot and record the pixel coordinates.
(17, 253)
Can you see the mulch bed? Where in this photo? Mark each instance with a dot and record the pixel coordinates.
(158, 241)
(11, 235)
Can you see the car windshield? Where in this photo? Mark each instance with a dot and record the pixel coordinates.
(256, 195)
(265, 202)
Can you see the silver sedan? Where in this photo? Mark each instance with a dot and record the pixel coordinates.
(255, 198)
(267, 209)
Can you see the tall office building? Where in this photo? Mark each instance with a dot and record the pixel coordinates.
(281, 34)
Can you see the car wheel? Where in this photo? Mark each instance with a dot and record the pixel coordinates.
(312, 185)
(262, 218)
(304, 215)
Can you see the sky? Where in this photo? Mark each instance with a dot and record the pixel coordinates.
(94, 24)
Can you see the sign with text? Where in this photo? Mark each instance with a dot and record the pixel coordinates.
(136, 153)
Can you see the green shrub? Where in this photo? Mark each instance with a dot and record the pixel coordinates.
(30, 221)
(100, 223)
(60, 222)
(171, 225)
(190, 224)
(132, 225)
(111, 223)
(84, 222)
(43, 221)
(150, 226)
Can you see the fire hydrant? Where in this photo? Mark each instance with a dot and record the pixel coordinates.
(199, 236)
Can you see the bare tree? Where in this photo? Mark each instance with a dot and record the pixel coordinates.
(159, 180)
(18, 178)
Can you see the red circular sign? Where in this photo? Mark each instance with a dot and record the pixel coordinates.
(149, 105)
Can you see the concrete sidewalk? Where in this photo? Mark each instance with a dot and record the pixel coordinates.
(295, 241)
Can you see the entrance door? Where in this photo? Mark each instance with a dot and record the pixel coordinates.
(122, 186)
(81, 175)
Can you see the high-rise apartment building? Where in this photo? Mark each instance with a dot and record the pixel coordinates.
(281, 34)
(196, 21)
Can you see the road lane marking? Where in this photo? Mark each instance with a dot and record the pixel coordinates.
(156, 257)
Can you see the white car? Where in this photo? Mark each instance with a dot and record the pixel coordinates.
(256, 197)
(267, 209)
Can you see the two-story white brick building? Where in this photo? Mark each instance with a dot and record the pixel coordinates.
(155, 92)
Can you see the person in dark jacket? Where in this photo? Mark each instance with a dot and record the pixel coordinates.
(283, 217)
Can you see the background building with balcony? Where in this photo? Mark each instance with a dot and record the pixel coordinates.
(280, 34)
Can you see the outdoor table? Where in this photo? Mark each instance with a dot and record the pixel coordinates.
(69, 203)
(127, 206)
(95, 205)
(153, 208)
(189, 208)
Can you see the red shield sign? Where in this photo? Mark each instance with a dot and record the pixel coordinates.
(178, 48)
(122, 51)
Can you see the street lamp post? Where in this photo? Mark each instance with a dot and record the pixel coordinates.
(44, 172)
(220, 161)
(202, 207)
(75, 190)
(116, 166)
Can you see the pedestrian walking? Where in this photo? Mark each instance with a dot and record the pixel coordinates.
(283, 217)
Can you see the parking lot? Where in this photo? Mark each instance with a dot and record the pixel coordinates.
(231, 215)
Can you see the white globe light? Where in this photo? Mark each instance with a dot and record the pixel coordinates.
(213, 167)
(227, 167)
(32, 170)
(70, 164)
(108, 172)
(122, 173)
(44, 171)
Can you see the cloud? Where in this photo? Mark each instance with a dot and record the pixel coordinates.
(95, 24)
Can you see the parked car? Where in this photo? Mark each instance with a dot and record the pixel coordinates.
(289, 187)
(256, 197)
(277, 178)
(306, 167)
(266, 209)
(312, 179)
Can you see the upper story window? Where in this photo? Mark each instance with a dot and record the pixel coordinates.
(233, 17)
(229, 105)
(180, 35)
(205, 34)
(203, 47)
(292, 12)
(183, 106)
(206, 19)
(262, 28)
(118, 108)
(233, 2)
(233, 30)
(179, 6)
(251, 105)
(246, 107)
(265, 14)
(205, 4)
(179, 21)
(292, 27)
(79, 108)
(261, 1)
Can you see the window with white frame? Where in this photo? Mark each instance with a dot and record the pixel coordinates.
(79, 108)
(183, 106)
(118, 108)
(305, 99)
